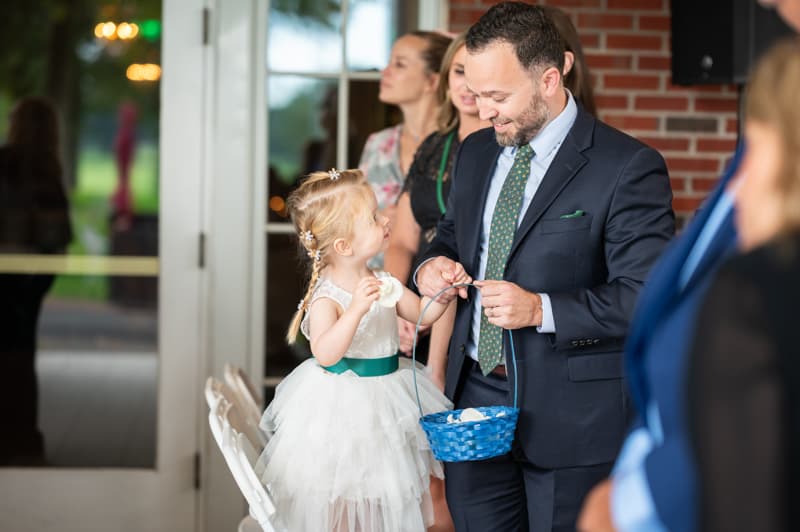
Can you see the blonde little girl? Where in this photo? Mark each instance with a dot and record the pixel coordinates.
(348, 453)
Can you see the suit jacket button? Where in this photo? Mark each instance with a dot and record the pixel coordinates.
(574, 343)
(461, 348)
(596, 341)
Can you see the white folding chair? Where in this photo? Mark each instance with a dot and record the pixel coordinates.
(242, 386)
(241, 421)
(225, 422)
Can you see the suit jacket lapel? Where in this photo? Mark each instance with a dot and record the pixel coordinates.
(563, 168)
(485, 162)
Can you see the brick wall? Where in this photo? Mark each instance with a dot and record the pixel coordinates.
(627, 47)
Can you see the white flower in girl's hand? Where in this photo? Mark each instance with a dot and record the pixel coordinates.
(391, 290)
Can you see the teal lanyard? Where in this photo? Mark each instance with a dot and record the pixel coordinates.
(442, 167)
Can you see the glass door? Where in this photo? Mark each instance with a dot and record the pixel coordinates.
(99, 274)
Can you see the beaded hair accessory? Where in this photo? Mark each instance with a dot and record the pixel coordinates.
(307, 236)
(334, 174)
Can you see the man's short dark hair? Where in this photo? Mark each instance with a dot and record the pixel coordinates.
(526, 27)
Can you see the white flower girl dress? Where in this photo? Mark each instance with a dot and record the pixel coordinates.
(348, 453)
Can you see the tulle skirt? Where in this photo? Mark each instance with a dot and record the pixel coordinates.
(348, 453)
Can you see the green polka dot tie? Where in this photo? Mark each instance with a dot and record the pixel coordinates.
(501, 235)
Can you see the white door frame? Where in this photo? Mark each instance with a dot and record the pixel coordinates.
(164, 498)
(236, 207)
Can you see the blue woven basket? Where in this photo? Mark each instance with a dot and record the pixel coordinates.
(468, 440)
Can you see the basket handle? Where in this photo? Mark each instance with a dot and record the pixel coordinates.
(416, 334)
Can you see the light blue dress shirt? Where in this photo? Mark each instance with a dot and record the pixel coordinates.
(632, 507)
(545, 146)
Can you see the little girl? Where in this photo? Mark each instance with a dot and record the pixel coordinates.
(348, 453)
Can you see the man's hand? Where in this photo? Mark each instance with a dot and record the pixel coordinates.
(595, 515)
(439, 273)
(509, 306)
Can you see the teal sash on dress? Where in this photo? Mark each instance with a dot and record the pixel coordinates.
(366, 367)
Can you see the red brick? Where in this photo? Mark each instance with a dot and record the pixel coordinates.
(622, 62)
(654, 22)
(718, 145)
(628, 122)
(732, 125)
(715, 89)
(704, 184)
(590, 40)
(630, 81)
(465, 16)
(662, 103)
(636, 4)
(607, 101)
(678, 184)
(667, 143)
(686, 204)
(627, 41)
(655, 62)
(717, 105)
(605, 21)
(687, 164)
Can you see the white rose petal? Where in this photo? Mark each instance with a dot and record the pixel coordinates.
(390, 292)
(471, 414)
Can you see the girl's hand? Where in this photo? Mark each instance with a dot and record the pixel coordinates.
(460, 276)
(366, 293)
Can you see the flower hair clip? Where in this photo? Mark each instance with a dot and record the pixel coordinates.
(334, 174)
(301, 305)
(307, 236)
(314, 255)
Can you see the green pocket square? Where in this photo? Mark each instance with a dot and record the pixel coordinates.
(575, 214)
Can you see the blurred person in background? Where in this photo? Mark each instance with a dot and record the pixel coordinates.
(654, 485)
(34, 219)
(744, 403)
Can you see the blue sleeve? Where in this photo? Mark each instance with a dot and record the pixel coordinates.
(632, 508)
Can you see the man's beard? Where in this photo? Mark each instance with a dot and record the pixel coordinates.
(529, 123)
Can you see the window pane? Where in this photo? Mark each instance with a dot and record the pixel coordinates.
(286, 277)
(302, 139)
(304, 36)
(371, 30)
(367, 115)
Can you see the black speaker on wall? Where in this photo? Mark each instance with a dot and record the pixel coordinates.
(717, 41)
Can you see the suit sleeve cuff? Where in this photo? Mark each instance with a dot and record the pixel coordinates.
(548, 323)
(632, 508)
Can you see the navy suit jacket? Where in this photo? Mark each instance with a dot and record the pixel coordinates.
(656, 359)
(574, 407)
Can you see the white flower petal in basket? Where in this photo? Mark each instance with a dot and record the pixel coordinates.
(471, 414)
(391, 290)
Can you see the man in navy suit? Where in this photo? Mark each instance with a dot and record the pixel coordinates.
(593, 213)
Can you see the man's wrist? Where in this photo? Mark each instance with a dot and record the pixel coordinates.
(536, 319)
